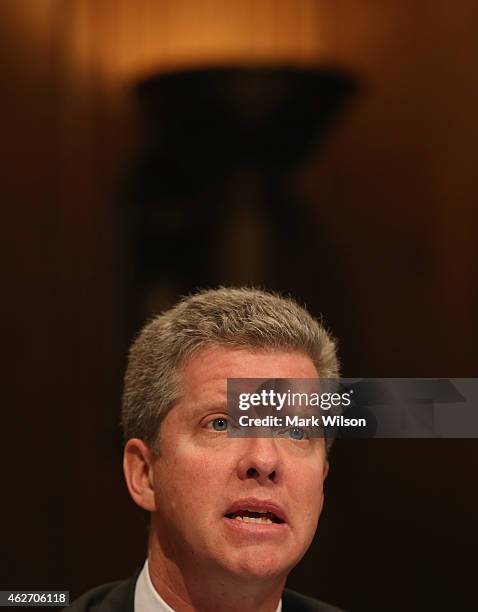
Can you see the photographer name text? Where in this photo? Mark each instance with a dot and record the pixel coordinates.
(298, 421)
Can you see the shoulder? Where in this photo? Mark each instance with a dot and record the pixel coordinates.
(119, 597)
(111, 597)
(295, 602)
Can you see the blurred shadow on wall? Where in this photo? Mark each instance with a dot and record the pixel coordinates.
(214, 196)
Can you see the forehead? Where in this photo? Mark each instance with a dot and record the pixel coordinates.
(209, 369)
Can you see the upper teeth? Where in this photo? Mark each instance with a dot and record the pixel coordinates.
(253, 519)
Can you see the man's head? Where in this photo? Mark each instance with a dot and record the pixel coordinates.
(231, 318)
(246, 507)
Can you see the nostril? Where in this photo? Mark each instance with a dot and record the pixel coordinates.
(253, 473)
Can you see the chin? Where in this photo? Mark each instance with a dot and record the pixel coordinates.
(257, 563)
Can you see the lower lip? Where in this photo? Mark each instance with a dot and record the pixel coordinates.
(256, 529)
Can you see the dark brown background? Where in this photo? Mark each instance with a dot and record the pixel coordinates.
(393, 195)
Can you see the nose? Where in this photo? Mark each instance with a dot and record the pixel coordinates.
(259, 460)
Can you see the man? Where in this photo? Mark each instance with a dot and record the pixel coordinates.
(230, 517)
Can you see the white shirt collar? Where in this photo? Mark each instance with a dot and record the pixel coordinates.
(147, 599)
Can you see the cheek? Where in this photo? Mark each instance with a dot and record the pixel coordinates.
(308, 495)
(192, 481)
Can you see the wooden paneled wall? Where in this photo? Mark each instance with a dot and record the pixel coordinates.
(123, 39)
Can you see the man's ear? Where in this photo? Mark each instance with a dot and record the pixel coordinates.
(138, 472)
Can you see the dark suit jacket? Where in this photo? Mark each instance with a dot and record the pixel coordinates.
(119, 597)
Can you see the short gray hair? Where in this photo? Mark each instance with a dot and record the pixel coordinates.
(235, 318)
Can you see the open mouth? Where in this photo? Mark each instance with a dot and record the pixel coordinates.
(255, 516)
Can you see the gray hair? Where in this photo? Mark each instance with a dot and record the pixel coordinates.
(235, 318)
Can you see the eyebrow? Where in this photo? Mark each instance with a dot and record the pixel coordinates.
(202, 406)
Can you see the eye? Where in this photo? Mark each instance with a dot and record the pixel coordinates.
(219, 424)
(296, 433)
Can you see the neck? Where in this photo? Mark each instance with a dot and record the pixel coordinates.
(200, 588)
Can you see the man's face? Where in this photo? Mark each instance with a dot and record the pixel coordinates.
(202, 475)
